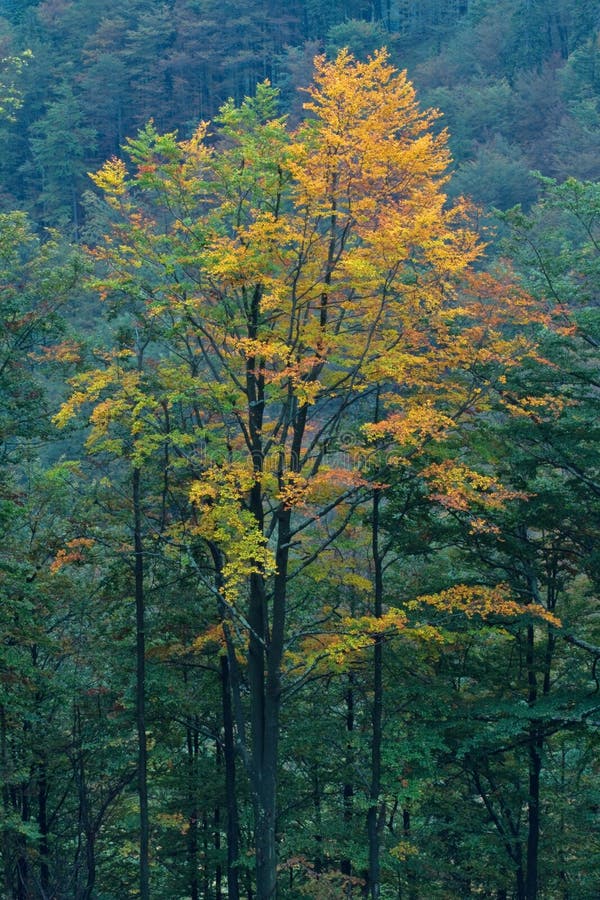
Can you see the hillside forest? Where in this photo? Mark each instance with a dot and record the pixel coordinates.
(299, 450)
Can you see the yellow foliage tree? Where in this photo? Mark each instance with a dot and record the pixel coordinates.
(290, 277)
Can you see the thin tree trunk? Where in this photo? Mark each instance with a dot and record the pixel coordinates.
(535, 767)
(318, 861)
(43, 826)
(348, 789)
(373, 832)
(520, 883)
(85, 828)
(233, 890)
(4, 772)
(377, 714)
(217, 843)
(140, 692)
(22, 856)
(205, 855)
(192, 835)
(413, 893)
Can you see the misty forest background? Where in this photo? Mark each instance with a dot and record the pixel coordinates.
(454, 756)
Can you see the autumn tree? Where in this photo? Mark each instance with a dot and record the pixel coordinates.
(291, 278)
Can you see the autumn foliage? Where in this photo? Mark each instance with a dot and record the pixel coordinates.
(285, 288)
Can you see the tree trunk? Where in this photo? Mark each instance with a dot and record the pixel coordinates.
(140, 691)
(191, 736)
(535, 767)
(377, 714)
(413, 893)
(348, 789)
(43, 826)
(84, 825)
(318, 860)
(233, 828)
(4, 772)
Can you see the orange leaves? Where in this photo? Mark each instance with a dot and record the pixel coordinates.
(213, 636)
(294, 490)
(458, 487)
(73, 553)
(479, 600)
(67, 351)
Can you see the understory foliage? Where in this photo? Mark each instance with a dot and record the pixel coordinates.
(311, 611)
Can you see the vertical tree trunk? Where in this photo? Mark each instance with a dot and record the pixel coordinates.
(233, 890)
(205, 856)
(264, 732)
(217, 843)
(22, 854)
(192, 834)
(42, 818)
(318, 860)
(413, 893)
(140, 691)
(377, 714)
(4, 773)
(520, 883)
(348, 788)
(535, 767)
(85, 828)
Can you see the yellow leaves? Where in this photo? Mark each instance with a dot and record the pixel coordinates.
(263, 349)
(128, 409)
(213, 636)
(458, 487)
(228, 483)
(403, 851)
(342, 643)
(544, 406)
(343, 646)
(67, 351)
(371, 142)
(294, 490)
(111, 178)
(413, 426)
(224, 519)
(360, 268)
(391, 621)
(359, 583)
(483, 601)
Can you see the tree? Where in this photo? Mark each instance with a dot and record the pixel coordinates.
(59, 143)
(10, 71)
(36, 279)
(290, 278)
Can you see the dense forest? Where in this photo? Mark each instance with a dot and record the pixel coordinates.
(300, 449)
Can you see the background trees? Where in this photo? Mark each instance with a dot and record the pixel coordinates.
(515, 80)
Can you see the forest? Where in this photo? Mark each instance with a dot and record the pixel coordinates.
(300, 450)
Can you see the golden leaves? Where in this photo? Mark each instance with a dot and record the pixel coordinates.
(294, 490)
(483, 601)
(220, 497)
(458, 487)
(71, 554)
(214, 636)
(413, 426)
(111, 178)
